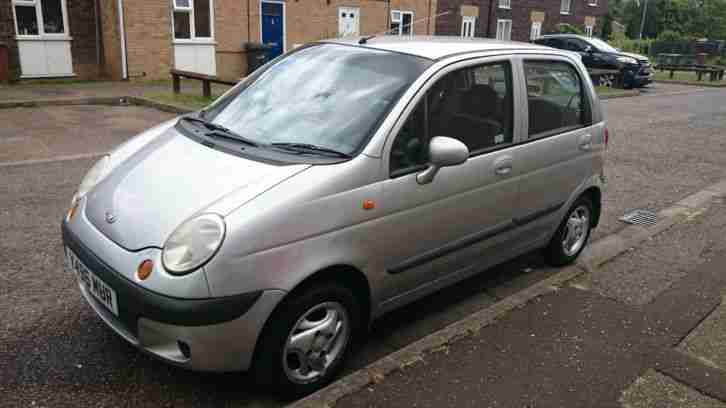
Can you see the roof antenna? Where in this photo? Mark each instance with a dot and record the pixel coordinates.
(364, 40)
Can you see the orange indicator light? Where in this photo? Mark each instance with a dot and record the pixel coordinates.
(145, 269)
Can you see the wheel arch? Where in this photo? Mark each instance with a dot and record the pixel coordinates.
(595, 196)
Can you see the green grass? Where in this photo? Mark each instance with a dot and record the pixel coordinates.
(687, 77)
(190, 101)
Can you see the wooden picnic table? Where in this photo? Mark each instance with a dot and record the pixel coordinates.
(207, 81)
(714, 72)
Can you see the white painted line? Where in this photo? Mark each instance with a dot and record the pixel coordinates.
(52, 159)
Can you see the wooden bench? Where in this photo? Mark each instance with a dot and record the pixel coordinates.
(616, 73)
(207, 81)
(715, 73)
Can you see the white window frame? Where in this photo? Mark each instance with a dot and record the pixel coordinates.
(565, 6)
(588, 30)
(535, 30)
(505, 4)
(501, 33)
(399, 20)
(592, 3)
(192, 29)
(39, 18)
(468, 26)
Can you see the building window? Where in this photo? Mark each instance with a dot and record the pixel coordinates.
(505, 4)
(592, 3)
(504, 30)
(536, 31)
(565, 7)
(467, 26)
(39, 17)
(588, 31)
(193, 19)
(401, 22)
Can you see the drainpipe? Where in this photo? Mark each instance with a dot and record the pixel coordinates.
(122, 35)
(428, 21)
(249, 32)
(489, 17)
(97, 21)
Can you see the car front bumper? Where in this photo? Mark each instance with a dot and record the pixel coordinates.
(215, 334)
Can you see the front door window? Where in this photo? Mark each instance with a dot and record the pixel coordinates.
(473, 105)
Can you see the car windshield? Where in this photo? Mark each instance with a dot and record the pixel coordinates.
(602, 45)
(327, 95)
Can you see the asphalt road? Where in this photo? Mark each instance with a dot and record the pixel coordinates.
(55, 352)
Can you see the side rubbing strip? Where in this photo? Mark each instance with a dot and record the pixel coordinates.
(469, 240)
(538, 214)
(472, 239)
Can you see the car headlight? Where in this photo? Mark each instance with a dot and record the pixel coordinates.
(193, 243)
(92, 177)
(627, 60)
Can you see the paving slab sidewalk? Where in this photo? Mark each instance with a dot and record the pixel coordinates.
(577, 347)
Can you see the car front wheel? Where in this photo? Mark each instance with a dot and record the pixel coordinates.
(306, 340)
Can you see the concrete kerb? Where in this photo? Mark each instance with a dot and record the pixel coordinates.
(110, 100)
(595, 255)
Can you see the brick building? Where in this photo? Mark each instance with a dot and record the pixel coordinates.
(119, 39)
(518, 20)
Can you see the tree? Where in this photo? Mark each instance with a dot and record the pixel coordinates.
(607, 27)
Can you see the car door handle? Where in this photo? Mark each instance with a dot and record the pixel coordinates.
(586, 143)
(503, 166)
(503, 170)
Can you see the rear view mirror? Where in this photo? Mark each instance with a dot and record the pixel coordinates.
(443, 152)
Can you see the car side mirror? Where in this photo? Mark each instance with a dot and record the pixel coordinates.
(443, 152)
(589, 49)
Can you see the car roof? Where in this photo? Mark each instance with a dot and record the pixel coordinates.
(436, 47)
(579, 37)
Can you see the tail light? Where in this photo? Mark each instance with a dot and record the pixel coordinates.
(606, 136)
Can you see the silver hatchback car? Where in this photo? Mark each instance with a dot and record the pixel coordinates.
(338, 182)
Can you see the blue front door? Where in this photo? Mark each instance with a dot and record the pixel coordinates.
(273, 28)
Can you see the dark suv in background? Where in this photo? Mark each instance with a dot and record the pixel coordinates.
(597, 54)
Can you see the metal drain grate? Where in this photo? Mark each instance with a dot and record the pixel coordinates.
(640, 217)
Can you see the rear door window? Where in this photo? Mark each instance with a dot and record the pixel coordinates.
(555, 97)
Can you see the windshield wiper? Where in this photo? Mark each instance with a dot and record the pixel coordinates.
(310, 148)
(220, 131)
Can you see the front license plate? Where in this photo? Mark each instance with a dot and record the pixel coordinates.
(98, 288)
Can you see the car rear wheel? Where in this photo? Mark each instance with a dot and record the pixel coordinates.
(572, 235)
(306, 340)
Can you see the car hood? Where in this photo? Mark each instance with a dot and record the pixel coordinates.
(169, 180)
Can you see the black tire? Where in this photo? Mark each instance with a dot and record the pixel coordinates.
(268, 368)
(554, 253)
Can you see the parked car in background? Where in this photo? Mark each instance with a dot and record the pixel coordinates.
(336, 183)
(597, 54)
